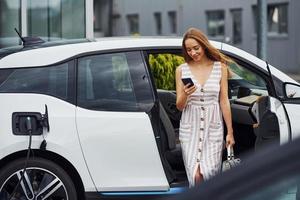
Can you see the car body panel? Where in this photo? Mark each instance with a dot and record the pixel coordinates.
(121, 151)
(293, 111)
(52, 55)
(61, 139)
(277, 107)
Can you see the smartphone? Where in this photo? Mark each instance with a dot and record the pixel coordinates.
(187, 80)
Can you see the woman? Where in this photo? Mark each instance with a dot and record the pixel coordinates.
(202, 106)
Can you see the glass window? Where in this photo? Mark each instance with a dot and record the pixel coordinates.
(43, 80)
(103, 18)
(277, 19)
(9, 20)
(117, 25)
(157, 18)
(173, 21)
(133, 24)
(55, 19)
(113, 82)
(244, 82)
(237, 26)
(216, 23)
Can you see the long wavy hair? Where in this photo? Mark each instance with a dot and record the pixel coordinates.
(210, 51)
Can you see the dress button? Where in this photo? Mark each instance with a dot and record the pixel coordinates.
(202, 100)
(202, 108)
(198, 160)
(199, 150)
(202, 119)
(201, 129)
(200, 140)
(202, 90)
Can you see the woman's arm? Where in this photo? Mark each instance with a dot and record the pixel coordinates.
(225, 106)
(182, 91)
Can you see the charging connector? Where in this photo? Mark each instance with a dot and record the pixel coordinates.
(29, 130)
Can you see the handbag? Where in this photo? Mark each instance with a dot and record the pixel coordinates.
(231, 160)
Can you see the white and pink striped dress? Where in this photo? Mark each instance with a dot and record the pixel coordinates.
(201, 126)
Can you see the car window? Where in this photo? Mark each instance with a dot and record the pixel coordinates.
(244, 82)
(163, 67)
(105, 83)
(287, 188)
(51, 80)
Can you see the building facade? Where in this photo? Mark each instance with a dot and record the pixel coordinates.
(231, 21)
(49, 19)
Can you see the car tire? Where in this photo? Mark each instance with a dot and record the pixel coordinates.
(46, 178)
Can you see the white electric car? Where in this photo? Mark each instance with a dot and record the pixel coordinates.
(92, 119)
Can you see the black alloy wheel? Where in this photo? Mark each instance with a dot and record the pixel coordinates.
(42, 180)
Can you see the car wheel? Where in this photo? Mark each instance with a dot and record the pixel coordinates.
(43, 179)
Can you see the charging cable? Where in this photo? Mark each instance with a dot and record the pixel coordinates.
(29, 130)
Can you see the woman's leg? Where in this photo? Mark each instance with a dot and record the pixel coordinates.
(198, 176)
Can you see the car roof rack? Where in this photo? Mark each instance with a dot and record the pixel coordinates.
(29, 41)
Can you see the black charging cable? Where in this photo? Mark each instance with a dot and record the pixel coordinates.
(29, 130)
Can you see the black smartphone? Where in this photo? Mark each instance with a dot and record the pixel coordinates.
(187, 80)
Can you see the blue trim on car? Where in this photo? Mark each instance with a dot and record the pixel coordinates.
(171, 191)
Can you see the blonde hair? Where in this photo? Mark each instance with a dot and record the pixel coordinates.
(210, 51)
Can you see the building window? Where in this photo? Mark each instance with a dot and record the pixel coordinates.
(103, 18)
(157, 18)
(133, 24)
(277, 19)
(216, 23)
(173, 21)
(55, 19)
(117, 25)
(236, 26)
(10, 11)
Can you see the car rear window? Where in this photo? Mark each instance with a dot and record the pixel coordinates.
(51, 80)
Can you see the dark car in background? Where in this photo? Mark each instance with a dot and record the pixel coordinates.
(271, 174)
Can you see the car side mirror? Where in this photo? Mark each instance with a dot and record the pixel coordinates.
(291, 90)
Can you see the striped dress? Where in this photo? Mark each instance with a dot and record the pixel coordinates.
(201, 126)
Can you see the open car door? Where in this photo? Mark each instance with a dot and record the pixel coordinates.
(291, 102)
(273, 119)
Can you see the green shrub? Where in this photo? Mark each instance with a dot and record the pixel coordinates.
(163, 67)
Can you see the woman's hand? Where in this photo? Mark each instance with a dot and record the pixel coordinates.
(229, 139)
(189, 90)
